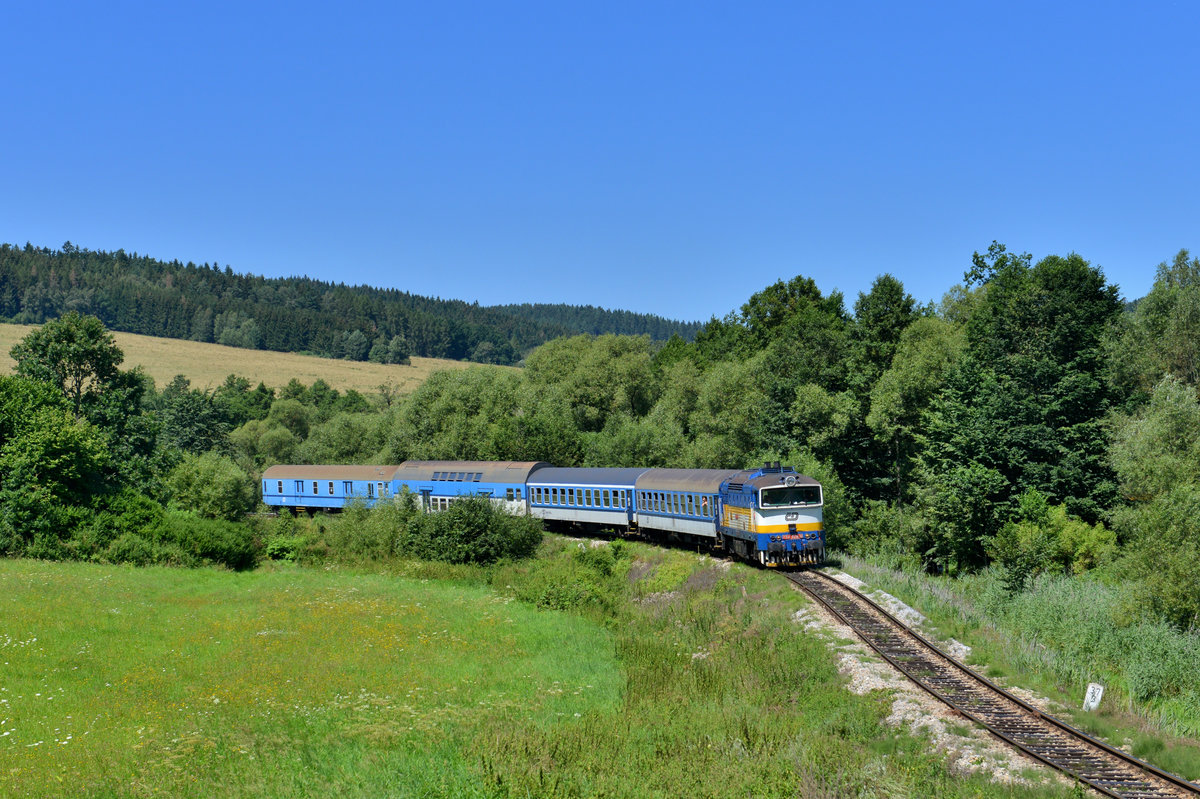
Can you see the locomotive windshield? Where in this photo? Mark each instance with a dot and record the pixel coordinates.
(784, 497)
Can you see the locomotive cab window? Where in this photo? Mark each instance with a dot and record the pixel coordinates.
(795, 496)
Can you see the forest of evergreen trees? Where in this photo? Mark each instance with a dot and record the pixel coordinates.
(138, 294)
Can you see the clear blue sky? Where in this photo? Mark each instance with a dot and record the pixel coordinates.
(662, 157)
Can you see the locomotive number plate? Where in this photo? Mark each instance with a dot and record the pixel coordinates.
(791, 517)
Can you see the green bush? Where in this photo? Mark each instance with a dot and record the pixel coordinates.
(124, 513)
(212, 540)
(132, 548)
(895, 533)
(212, 486)
(471, 530)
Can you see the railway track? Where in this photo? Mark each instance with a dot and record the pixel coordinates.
(1092, 762)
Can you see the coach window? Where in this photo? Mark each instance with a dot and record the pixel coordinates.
(704, 506)
(380, 488)
(508, 494)
(370, 491)
(554, 496)
(607, 498)
(331, 488)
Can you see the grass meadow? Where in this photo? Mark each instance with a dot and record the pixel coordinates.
(615, 671)
(207, 365)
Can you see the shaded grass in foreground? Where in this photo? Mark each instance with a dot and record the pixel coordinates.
(561, 676)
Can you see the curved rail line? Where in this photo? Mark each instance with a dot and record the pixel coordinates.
(1038, 734)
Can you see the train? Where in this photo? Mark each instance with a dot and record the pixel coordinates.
(771, 514)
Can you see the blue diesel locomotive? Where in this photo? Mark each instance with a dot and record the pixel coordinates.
(771, 514)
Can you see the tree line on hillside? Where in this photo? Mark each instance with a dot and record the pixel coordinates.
(138, 294)
(598, 321)
(1030, 421)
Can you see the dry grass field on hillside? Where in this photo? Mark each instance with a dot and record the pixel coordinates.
(207, 365)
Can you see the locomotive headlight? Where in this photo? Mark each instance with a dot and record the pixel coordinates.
(789, 481)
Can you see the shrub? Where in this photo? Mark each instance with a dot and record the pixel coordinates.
(890, 531)
(212, 486)
(126, 512)
(213, 540)
(471, 530)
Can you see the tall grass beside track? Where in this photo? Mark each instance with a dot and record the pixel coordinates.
(612, 670)
(1059, 635)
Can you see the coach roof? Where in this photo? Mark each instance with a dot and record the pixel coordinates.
(700, 481)
(368, 473)
(490, 471)
(598, 476)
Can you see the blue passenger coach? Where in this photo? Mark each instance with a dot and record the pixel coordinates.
(680, 502)
(439, 483)
(326, 487)
(585, 499)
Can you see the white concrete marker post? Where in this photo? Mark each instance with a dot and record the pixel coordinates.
(1091, 700)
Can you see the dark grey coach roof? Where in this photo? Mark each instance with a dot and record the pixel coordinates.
(600, 476)
(330, 473)
(492, 471)
(700, 481)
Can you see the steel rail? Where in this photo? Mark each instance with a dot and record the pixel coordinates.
(1036, 733)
